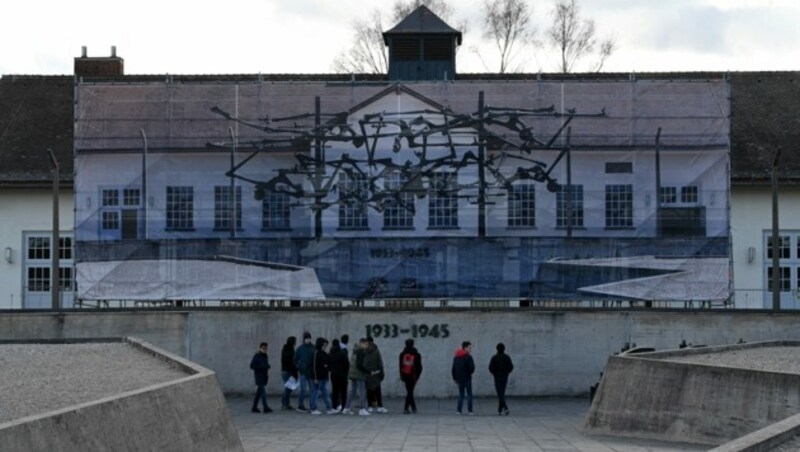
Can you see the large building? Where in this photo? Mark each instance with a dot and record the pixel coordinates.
(427, 183)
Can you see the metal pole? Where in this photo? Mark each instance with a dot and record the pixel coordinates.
(144, 185)
(481, 171)
(54, 247)
(233, 184)
(570, 190)
(319, 168)
(658, 183)
(776, 273)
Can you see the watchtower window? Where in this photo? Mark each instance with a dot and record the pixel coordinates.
(438, 49)
(406, 49)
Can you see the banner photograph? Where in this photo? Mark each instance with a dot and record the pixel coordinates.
(254, 190)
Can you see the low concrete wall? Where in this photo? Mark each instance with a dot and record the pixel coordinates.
(185, 414)
(555, 352)
(643, 396)
(765, 439)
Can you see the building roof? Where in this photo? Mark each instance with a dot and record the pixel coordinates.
(422, 21)
(35, 115)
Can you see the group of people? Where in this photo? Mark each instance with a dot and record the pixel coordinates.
(311, 365)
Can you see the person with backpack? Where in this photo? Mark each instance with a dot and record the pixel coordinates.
(374, 363)
(410, 371)
(500, 366)
(321, 365)
(358, 376)
(462, 370)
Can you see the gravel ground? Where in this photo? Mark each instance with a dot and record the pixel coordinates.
(769, 359)
(36, 378)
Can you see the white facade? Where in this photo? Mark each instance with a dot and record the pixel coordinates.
(751, 227)
(26, 214)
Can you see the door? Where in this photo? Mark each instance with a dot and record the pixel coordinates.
(37, 264)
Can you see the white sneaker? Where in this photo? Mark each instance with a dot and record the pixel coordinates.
(337, 409)
(382, 410)
(370, 409)
(347, 411)
(332, 412)
(316, 412)
(363, 412)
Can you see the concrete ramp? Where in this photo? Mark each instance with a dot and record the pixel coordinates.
(187, 412)
(707, 395)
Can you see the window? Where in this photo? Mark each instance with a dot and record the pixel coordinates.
(669, 195)
(110, 220)
(353, 193)
(406, 49)
(110, 197)
(65, 248)
(38, 279)
(399, 205)
(276, 211)
(522, 205)
(438, 49)
(65, 279)
(783, 247)
(619, 206)
(38, 248)
(180, 208)
(689, 194)
(784, 277)
(131, 197)
(619, 167)
(569, 206)
(443, 200)
(225, 209)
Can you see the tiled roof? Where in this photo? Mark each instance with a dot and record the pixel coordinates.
(35, 115)
(765, 115)
(423, 21)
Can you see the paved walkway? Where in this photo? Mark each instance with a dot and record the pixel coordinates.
(534, 425)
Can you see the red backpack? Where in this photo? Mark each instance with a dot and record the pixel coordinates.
(407, 364)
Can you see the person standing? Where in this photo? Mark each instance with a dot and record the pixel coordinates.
(374, 363)
(303, 361)
(462, 370)
(321, 365)
(357, 375)
(288, 370)
(410, 371)
(500, 367)
(260, 366)
(340, 366)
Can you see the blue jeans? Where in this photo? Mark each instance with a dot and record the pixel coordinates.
(360, 387)
(317, 387)
(286, 392)
(261, 393)
(305, 386)
(465, 386)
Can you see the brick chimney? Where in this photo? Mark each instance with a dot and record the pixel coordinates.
(86, 66)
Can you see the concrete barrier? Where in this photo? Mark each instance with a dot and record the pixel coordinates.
(185, 414)
(765, 439)
(644, 396)
(555, 353)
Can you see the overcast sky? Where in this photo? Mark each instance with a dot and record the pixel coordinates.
(302, 36)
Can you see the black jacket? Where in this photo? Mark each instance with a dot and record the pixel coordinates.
(321, 365)
(340, 364)
(287, 360)
(417, 363)
(260, 366)
(500, 365)
(463, 366)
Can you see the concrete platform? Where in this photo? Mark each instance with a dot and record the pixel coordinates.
(534, 425)
(185, 412)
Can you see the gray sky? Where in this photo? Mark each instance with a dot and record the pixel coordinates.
(301, 36)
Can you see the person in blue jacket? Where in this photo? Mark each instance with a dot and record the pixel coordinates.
(260, 366)
(463, 368)
(304, 361)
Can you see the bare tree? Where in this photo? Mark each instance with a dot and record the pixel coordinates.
(506, 23)
(575, 37)
(368, 54)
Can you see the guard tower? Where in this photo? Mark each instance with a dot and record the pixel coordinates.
(422, 47)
